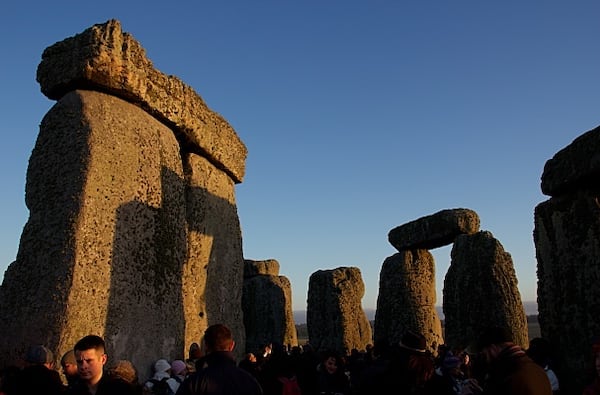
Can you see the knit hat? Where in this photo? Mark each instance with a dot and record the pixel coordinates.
(162, 365)
(38, 354)
(178, 366)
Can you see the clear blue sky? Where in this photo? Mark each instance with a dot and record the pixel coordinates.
(359, 116)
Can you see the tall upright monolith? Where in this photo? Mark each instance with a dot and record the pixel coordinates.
(133, 232)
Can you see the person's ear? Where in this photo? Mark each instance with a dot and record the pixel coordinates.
(103, 358)
(232, 345)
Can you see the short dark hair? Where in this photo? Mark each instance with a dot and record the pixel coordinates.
(218, 337)
(90, 341)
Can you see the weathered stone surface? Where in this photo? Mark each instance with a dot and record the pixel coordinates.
(254, 268)
(567, 241)
(335, 317)
(407, 299)
(103, 250)
(481, 290)
(104, 58)
(268, 316)
(577, 166)
(433, 231)
(214, 269)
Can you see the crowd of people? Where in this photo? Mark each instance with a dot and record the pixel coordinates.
(494, 366)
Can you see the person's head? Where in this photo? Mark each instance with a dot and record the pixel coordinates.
(492, 340)
(161, 367)
(451, 365)
(331, 361)
(125, 371)
(69, 365)
(91, 357)
(39, 355)
(420, 367)
(539, 351)
(195, 351)
(218, 337)
(488, 346)
(178, 368)
(414, 343)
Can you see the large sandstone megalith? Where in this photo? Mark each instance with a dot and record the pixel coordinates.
(133, 231)
(267, 306)
(567, 241)
(481, 291)
(334, 316)
(406, 300)
(435, 230)
(407, 295)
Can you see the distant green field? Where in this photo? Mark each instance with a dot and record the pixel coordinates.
(532, 325)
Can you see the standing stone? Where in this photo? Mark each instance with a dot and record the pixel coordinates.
(481, 290)
(567, 241)
(335, 317)
(133, 231)
(407, 298)
(214, 269)
(267, 306)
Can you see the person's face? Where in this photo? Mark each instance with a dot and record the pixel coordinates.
(90, 364)
(331, 365)
(69, 369)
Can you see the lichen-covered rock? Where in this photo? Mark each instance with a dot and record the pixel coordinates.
(480, 291)
(133, 231)
(268, 316)
(567, 241)
(106, 59)
(255, 268)
(335, 317)
(214, 270)
(575, 167)
(103, 250)
(433, 231)
(406, 299)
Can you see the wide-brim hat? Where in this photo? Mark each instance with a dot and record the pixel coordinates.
(414, 342)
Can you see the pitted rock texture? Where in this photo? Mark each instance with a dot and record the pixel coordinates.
(105, 240)
(480, 291)
(575, 167)
(133, 231)
(567, 240)
(407, 299)
(268, 316)
(434, 231)
(335, 317)
(106, 59)
(254, 268)
(214, 269)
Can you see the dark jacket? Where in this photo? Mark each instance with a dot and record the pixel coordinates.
(38, 379)
(514, 373)
(219, 375)
(106, 386)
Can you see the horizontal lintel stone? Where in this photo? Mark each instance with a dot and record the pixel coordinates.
(105, 58)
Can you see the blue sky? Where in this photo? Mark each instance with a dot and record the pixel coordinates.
(359, 116)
